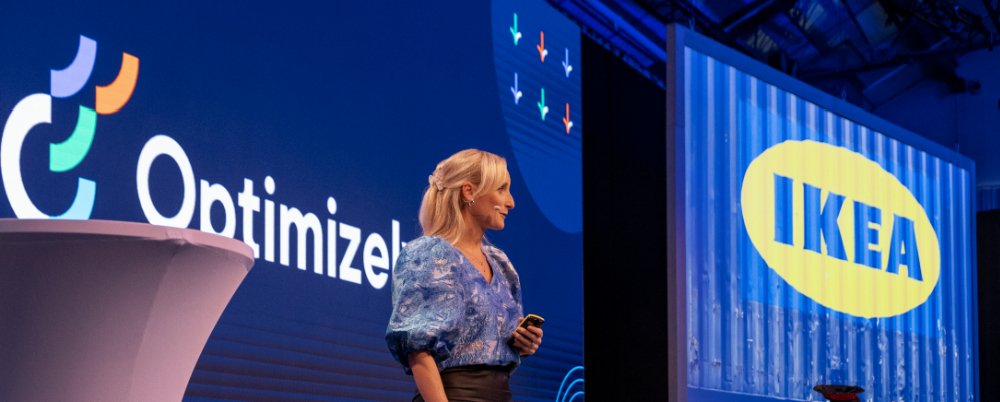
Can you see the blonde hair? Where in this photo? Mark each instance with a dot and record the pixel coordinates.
(441, 208)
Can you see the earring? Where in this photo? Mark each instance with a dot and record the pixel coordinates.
(470, 203)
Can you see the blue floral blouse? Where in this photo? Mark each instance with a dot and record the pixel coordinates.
(441, 303)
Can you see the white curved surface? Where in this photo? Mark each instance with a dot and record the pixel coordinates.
(109, 311)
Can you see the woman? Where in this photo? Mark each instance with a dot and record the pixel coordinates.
(456, 299)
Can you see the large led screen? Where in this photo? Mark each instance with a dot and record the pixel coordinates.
(307, 131)
(819, 250)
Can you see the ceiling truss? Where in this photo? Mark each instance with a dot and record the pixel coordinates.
(849, 48)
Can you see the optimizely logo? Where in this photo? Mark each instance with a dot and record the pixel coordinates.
(36, 109)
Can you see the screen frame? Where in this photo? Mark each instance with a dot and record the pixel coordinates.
(679, 37)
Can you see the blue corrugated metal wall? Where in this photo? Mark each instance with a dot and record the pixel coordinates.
(749, 331)
(988, 199)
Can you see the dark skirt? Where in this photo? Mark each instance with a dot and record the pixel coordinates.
(479, 383)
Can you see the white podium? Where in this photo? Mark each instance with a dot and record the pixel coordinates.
(103, 311)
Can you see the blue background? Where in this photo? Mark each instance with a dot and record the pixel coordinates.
(354, 100)
(551, 158)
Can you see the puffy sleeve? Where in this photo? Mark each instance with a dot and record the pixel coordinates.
(428, 301)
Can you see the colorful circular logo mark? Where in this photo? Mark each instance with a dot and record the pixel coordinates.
(36, 109)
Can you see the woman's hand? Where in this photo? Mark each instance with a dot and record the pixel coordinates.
(527, 339)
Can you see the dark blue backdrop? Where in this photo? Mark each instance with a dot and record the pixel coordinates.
(356, 101)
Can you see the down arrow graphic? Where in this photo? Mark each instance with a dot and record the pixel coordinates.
(566, 120)
(541, 105)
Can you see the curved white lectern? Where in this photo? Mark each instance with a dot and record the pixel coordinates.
(103, 311)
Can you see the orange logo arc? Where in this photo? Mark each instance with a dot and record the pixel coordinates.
(111, 98)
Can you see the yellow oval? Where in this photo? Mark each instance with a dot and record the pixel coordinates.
(840, 285)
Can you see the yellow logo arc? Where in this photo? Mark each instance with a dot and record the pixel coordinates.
(840, 229)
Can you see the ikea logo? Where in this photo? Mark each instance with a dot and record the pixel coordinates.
(840, 229)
